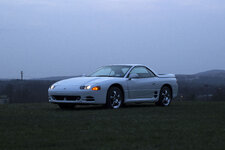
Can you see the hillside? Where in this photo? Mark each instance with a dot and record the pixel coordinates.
(212, 77)
(212, 73)
(205, 85)
(56, 78)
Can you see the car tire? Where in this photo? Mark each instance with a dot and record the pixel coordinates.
(114, 98)
(165, 97)
(66, 106)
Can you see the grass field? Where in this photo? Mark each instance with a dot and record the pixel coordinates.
(183, 125)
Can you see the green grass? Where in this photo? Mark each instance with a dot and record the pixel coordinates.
(183, 125)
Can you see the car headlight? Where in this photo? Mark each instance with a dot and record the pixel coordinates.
(85, 87)
(96, 88)
(52, 87)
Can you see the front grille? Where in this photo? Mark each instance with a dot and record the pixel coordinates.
(68, 98)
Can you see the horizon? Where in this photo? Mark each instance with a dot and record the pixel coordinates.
(79, 75)
(45, 38)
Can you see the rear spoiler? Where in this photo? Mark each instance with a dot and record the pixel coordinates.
(166, 75)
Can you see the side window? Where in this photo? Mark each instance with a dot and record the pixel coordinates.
(142, 72)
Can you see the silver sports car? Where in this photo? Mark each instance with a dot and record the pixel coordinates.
(115, 85)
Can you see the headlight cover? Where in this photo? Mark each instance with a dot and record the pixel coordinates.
(95, 88)
(85, 87)
(52, 87)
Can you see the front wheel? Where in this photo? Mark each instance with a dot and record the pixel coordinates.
(114, 98)
(165, 97)
(66, 106)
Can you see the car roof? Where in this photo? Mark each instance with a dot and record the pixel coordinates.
(133, 65)
(125, 65)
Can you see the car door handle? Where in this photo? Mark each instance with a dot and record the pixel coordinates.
(153, 83)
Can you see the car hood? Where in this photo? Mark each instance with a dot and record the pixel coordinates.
(83, 81)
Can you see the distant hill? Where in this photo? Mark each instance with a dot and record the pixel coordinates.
(202, 85)
(209, 73)
(57, 78)
(211, 77)
(212, 73)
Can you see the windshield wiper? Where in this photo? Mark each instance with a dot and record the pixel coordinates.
(103, 76)
(108, 76)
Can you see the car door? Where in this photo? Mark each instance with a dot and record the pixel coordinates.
(143, 85)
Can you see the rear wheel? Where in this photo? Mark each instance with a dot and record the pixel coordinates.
(114, 98)
(165, 97)
(66, 106)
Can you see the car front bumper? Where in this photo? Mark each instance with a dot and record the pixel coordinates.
(77, 97)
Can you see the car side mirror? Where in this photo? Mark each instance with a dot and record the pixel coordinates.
(133, 75)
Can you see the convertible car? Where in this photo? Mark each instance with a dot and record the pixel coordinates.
(115, 85)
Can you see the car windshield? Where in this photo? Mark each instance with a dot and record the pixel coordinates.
(111, 71)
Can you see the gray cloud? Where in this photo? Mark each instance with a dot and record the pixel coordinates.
(46, 38)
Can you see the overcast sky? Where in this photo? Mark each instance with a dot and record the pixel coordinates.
(71, 37)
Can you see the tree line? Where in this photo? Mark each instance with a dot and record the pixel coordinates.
(27, 91)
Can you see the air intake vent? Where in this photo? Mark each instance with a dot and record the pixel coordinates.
(68, 98)
(90, 98)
